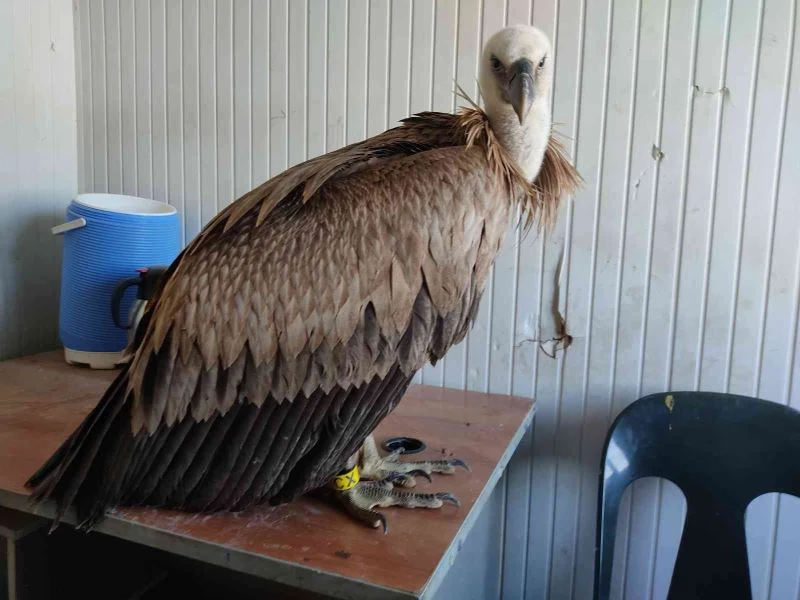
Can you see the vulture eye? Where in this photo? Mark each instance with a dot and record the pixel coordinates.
(541, 62)
(496, 64)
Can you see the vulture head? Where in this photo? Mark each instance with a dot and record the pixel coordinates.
(516, 75)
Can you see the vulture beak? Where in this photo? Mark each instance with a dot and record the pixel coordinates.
(520, 87)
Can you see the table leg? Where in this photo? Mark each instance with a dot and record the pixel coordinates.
(20, 537)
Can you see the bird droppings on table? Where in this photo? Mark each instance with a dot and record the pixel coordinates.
(265, 519)
(277, 547)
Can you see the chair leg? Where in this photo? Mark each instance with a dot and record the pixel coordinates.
(606, 537)
(712, 557)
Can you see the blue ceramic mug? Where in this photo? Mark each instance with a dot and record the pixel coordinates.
(107, 237)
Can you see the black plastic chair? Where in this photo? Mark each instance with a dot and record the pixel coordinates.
(722, 451)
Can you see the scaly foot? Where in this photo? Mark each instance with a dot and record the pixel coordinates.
(363, 497)
(375, 467)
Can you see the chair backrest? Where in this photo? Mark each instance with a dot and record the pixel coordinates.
(722, 451)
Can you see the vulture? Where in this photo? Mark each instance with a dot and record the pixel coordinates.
(294, 322)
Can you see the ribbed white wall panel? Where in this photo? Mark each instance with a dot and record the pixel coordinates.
(38, 167)
(680, 257)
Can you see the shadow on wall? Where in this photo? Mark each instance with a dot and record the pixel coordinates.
(30, 279)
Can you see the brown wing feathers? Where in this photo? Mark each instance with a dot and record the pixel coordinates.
(294, 322)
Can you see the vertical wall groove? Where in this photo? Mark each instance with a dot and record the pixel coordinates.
(575, 149)
(648, 275)
(690, 283)
(625, 557)
(119, 103)
(150, 96)
(712, 199)
(673, 317)
(775, 186)
(105, 91)
(182, 125)
(743, 199)
(88, 116)
(765, 294)
(40, 171)
(135, 112)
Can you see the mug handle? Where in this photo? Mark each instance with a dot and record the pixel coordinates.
(68, 226)
(116, 300)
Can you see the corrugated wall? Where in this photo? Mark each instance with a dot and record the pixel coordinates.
(681, 256)
(38, 167)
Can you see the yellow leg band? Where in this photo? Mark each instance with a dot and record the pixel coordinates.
(347, 480)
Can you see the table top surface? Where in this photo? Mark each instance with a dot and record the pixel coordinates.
(309, 543)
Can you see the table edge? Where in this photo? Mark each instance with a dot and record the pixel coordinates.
(242, 561)
(449, 557)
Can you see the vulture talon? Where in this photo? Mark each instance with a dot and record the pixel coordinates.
(420, 473)
(361, 500)
(375, 467)
(448, 497)
(457, 462)
(394, 476)
(362, 511)
(383, 522)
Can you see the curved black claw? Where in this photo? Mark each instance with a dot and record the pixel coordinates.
(394, 476)
(448, 497)
(374, 518)
(420, 473)
(383, 521)
(369, 517)
(457, 462)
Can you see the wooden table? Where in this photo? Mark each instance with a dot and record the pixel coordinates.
(308, 544)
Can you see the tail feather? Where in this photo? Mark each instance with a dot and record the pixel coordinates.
(89, 467)
(248, 455)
